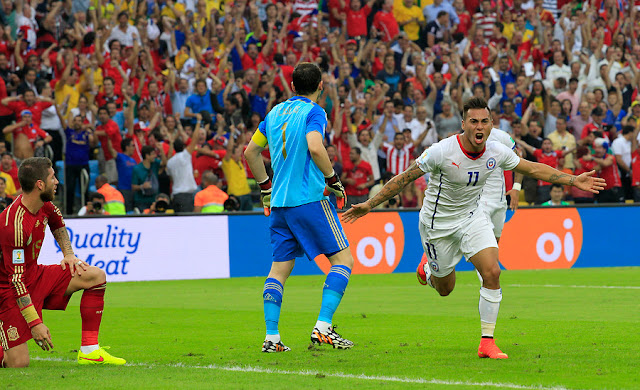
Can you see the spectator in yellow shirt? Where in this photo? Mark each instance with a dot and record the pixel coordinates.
(410, 18)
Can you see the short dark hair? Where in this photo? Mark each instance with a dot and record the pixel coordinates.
(597, 111)
(399, 133)
(146, 150)
(96, 195)
(112, 42)
(178, 145)
(31, 170)
(125, 143)
(627, 129)
(556, 185)
(441, 14)
(110, 79)
(357, 150)
(103, 108)
(474, 103)
(306, 78)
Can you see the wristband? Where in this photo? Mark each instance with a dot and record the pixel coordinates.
(516, 186)
(266, 184)
(330, 175)
(31, 315)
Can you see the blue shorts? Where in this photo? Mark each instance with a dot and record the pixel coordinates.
(312, 229)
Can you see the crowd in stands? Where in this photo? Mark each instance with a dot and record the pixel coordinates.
(167, 94)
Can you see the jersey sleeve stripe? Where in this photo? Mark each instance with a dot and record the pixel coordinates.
(3, 339)
(17, 282)
(17, 227)
(435, 208)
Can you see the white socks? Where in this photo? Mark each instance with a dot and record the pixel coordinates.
(489, 306)
(323, 326)
(87, 349)
(274, 338)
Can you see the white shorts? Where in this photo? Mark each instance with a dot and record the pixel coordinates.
(445, 247)
(496, 212)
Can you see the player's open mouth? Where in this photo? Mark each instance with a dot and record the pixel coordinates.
(479, 138)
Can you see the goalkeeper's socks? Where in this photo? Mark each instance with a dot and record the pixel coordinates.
(91, 307)
(272, 296)
(334, 287)
(488, 306)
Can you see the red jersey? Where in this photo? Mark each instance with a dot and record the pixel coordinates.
(360, 173)
(635, 168)
(585, 166)
(13, 172)
(550, 159)
(113, 132)
(32, 132)
(387, 23)
(203, 163)
(4, 110)
(357, 21)
(611, 174)
(21, 237)
(36, 110)
(398, 160)
(250, 63)
(102, 99)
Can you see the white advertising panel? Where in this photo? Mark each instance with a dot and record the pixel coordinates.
(148, 248)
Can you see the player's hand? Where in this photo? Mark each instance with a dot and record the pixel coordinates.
(515, 199)
(75, 265)
(356, 211)
(335, 186)
(586, 182)
(265, 194)
(42, 336)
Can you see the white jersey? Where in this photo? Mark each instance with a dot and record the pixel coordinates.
(457, 180)
(494, 189)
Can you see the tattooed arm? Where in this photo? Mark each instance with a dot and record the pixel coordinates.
(585, 181)
(391, 189)
(62, 238)
(70, 260)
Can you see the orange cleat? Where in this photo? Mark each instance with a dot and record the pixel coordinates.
(423, 272)
(489, 349)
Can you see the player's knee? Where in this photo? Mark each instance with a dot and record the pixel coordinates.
(17, 362)
(492, 274)
(444, 289)
(95, 275)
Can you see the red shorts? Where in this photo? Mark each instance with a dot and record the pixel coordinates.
(47, 292)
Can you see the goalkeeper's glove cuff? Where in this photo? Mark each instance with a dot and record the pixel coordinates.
(265, 185)
(333, 173)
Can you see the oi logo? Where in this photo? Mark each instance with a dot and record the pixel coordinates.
(376, 242)
(541, 239)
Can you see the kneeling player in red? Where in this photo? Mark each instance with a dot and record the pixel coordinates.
(27, 287)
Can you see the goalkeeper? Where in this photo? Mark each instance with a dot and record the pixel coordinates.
(302, 220)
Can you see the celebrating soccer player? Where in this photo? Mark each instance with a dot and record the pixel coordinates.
(27, 287)
(451, 225)
(302, 220)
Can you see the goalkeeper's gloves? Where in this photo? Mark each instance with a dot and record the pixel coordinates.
(265, 194)
(334, 185)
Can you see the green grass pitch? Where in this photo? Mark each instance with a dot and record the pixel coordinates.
(573, 329)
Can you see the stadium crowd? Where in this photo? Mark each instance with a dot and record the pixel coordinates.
(166, 95)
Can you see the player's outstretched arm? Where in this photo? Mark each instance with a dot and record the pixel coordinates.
(585, 181)
(391, 189)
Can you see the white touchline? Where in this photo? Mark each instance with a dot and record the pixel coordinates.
(329, 375)
(573, 286)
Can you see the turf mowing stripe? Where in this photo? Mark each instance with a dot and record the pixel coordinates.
(381, 378)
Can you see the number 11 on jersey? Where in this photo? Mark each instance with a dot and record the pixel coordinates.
(471, 175)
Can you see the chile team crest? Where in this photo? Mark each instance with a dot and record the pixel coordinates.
(491, 163)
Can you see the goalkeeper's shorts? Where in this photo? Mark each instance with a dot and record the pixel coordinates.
(312, 229)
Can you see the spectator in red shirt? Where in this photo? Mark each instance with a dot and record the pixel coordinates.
(252, 58)
(385, 23)
(29, 102)
(606, 164)
(357, 177)
(356, 19)
(109, 94)
(109, 130)
(28, 137)
(9, 166)
(545, 155)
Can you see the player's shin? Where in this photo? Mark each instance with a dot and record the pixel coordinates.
(489, 306)
(272, 296)
(91, 307)
(334, 287)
